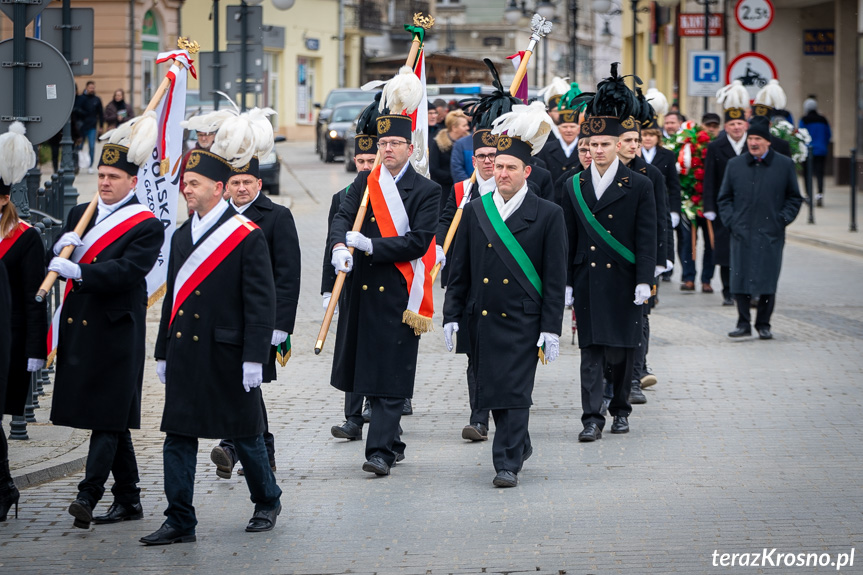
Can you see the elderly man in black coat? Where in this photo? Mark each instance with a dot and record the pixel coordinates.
(376, 346)
(758, 200)
(610, 218)
(277, 223)
(214, 339)
(101, 329)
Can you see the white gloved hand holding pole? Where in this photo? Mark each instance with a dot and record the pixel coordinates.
(253, 374)
(642, 294)
(358, 241)
(34, 364)
(551, 343)
(342, 260)
(279, 337)
(161, 368)
(567, 299)
(440, 257)
(67, 239)
(669, 265)
(67, 269)
(710, 216)
(449, 329)
(675, 219)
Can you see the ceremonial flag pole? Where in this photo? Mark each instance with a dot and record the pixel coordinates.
(420, 25)
(539, 27)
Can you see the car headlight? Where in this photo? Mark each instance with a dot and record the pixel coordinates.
(333, 134)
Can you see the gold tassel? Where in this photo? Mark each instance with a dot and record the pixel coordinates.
(51, 357)
(541, 355)
(157, 295)
(283, 359)
(164, 166)
(420, 323)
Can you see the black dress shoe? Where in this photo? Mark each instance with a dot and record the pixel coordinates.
(242, 471)
(82, 511)
(399, 457)
(764, 333)
(620, 425)
(263, 520)
(167, 535)
(120, 512)
(367, 412)
(604, 409)
(376, 465)
(636, 396)
(591, 433)
(728, 300)
(348, 430)
(407, 408)
(740, 332)
(505, 479)
(475, 432)
(224, 460)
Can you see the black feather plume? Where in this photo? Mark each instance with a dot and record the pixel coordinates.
(367, 123)
(486, 109)
(645, 112)
(613, 97)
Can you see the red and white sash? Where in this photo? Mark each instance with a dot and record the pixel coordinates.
(392, 219)
(462, 193)
(97, 239)
(207, 256)
(9, 241)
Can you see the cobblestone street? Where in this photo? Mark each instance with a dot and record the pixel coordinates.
(742, 446)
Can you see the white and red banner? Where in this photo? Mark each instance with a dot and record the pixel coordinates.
(420, 122)
(521, 92)
(159, 189)
(462, 193)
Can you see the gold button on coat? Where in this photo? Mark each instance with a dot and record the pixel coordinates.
(503, 315)
(373, 218)
(485, 280)
(84, 322)
(489, 245)
(365, 287)
(610, 216)
(197, 292)
(608, 266)
(593, 264)
(194, 338)
(593, 248)
(179, 335)
(505, 281)
(180, 312)
(197, 316)
(381, 288)
(484, 312)
(70, 320)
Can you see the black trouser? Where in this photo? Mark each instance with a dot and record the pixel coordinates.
(639, 360)
(5, 474)
(765, 310)
(818, 171)
(476, 415)
(511, 438)
(383, 437)
(269, 440)
(594, 361)
(111, 452)
(180, 455)
(354, 408)
(725, 276)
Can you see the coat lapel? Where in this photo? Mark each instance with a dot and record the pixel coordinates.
(525, 213)
(614, 192)
(406, 184)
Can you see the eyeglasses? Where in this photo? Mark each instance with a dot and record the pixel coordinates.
(484, 157)
(584, 150)
(393, 145)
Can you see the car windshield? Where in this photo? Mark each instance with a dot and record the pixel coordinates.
(339, 97)
(347, 113)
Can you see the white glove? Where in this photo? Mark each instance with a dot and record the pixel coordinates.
(67, 239)
(567, 299)
(327, 297)
(710, 216)
(449, 329)
(658, 271)
(279, 337)
(65, 268)
(359, 241)
(669, 265)
(35, 364)
(439, 256)
(161, 367)
(342, 260)
(675, 219)
(552, 345)
(642, 294)
(253, 374)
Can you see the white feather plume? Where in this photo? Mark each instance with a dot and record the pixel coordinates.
(208, 123)
(403, 93)
(16, 154)
(772, 95)
(139, 135)
(530, 123)
(558, 87)
(243, 136)
(734, 95)
(658, 100)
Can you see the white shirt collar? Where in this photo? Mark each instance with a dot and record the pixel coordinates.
(244, 207)
(506, 209)
(601, 183)
(738, 146)
(484, 186)
(201, 226)
(568, 148)
(104, 210)
(402, 172)
(648, 155)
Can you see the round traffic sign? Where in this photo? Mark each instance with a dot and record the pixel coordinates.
(754, 15)
(754, 71)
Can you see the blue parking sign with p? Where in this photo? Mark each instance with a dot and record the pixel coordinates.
(707, 68)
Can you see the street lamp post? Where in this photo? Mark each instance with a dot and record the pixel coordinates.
(573, 39)
(605, 6)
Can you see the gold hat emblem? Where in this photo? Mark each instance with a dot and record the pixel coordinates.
(585, 129)
(628, 124)
(597, 125)
(383, 125)
(735, 113)
(489, 139)
(364, 143)
(240, 170)
(503, 143)
(194, 160)
(110, 156)
(567, 116)
(761, 110)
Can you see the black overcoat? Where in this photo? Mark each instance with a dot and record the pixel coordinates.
(328, 272)
(375, 353)
(540, 183)
(556, 161)
(757, 201)
(102, 340)
(719, 152)
(226, 321)
(25, 264)
(277, 223)
(503, 319)
(602, 288)
(660, 199)
(666, 162)
(5, 332)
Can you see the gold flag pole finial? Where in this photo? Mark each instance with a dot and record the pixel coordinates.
(191, 47)
(425, 21)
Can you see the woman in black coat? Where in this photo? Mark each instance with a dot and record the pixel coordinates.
(22, 255)
(440, 150)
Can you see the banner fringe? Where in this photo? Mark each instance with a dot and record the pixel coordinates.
(419, 323)
(283, 359)
(157, 295)
(51, 357)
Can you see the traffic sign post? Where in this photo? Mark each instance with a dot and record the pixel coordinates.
(754, 15)
(705, 72)
(754, 71)
(81, 57)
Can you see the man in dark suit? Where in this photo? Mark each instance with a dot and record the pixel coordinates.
(559, 154)
(215, 336)
(101, 329)
(381, 320)
(277, 223)
(515, 305)
(666, 162)
(611, 223)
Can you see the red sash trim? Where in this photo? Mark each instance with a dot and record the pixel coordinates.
(10, 240)
(459, 193)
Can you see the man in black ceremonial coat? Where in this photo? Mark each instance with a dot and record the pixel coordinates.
(283, 244)
(609, 260)
(510, 307)
(214, 338)
(101, 342)
(376, 352)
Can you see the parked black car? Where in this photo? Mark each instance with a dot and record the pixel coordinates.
(333, 141)
(337, 96)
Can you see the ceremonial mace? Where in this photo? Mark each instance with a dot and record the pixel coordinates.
(420, 22)
(539, 27)
(66, 252)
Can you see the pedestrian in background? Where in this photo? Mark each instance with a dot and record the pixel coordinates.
(819, 129)
(88, 107)
(117, 111)
(440, 150)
